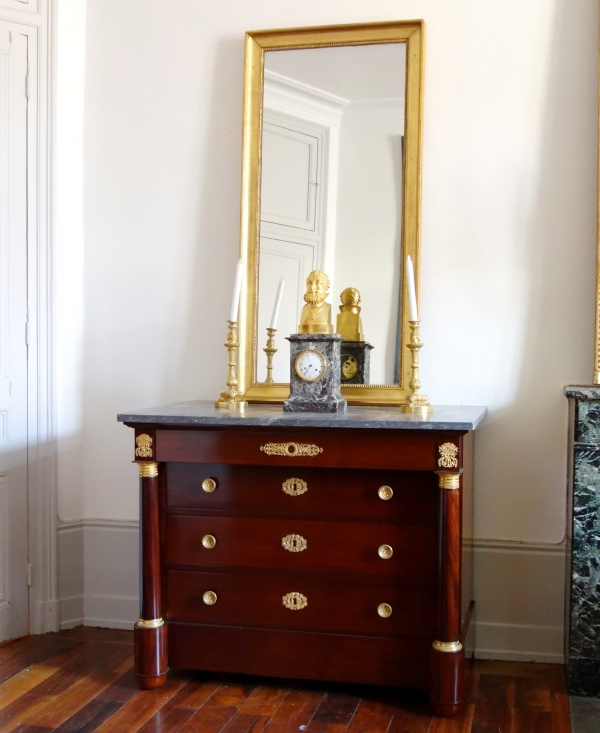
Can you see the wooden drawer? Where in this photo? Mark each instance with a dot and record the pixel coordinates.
(322, 448)
(348, 546)
(346, 604)
(301, 655)
(415, 496)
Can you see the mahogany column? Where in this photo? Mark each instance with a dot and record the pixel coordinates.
(150, 631)
(448, 656)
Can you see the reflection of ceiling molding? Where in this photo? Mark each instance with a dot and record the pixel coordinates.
(283, 94)
(375, 106)
(288, 83)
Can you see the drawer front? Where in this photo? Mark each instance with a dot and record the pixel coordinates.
(312, 545)
(304, 602)
(300, 655)
(414, 495)
(307, 448)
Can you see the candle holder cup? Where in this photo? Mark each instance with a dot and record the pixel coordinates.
(232, 399)
(416, 402)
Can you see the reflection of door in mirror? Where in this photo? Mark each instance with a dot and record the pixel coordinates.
(331, 190)
(292, 240)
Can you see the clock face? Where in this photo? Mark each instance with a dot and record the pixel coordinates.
(311, 365)
(349, 366)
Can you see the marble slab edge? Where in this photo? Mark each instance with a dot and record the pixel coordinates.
(583, 392)
(450, 418)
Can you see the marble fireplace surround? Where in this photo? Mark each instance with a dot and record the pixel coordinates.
(582, 623)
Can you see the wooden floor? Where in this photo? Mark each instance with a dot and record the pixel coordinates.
(82, 681)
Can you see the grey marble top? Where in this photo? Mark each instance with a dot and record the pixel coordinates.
(583, 391)
(390, 418)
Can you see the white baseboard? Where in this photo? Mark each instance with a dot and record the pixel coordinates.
(106, 593)
(519, 591)
(519, 642)
(519, 588)
(111, 612)
(45, 616)
(71, 612)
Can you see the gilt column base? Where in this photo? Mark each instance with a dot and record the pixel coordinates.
(447, 692)
(151, 664)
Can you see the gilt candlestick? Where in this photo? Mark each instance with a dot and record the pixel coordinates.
(270, 350)
(415, 402)
(232, 399)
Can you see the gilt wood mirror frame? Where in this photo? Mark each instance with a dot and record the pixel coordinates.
(407, 159)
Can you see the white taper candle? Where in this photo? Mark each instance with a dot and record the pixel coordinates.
(235, 303)
(413, 313)
(277, 305)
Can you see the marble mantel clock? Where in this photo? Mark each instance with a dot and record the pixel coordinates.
(315, 355)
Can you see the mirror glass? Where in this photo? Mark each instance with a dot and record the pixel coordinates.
(331, 193)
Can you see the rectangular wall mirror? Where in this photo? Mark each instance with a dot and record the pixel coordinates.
(331, 182)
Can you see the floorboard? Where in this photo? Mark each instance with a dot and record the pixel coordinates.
(82, 681)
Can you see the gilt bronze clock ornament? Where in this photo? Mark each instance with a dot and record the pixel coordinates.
(316, 314)
(349, 323)
(315, 374)
(356, 362)
(356, 352)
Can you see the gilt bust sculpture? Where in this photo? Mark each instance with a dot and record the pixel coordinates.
(349, 322)
(316, 314)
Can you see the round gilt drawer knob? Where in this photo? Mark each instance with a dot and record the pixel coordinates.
(208, 541)
(384, 610)
(210, 598)
(209, 485)
(385, 552)
(385, 492)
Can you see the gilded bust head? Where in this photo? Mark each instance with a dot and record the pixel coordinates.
(350, 297)
(317, 288)
(316, 314)
(349, 323)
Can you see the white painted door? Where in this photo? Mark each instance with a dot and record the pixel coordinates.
(292, 232)
(14, 617)
(290, 159)
(293, 262)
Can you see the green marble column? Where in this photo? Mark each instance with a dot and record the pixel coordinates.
(583, 556)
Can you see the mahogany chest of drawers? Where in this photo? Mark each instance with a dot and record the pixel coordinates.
(307, 546)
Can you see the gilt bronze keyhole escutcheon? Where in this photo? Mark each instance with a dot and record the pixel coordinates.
(294, 543)
(294, 486)
(294, 601)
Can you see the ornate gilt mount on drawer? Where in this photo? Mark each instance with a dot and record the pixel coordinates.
(448, 459)
(294, 486)
(143, 446)
(294, 543)
(295, 601)
(291, 450)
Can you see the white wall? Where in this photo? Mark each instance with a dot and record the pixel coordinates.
(369, 225)
(69, 253)
(508, 230)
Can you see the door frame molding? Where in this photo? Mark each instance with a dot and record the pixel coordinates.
(41, 438)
